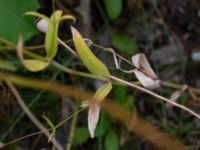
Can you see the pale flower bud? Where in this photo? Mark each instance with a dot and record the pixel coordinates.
(42, 25)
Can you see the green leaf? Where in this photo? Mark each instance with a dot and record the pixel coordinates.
(50, 123)
(34, 65)
(102, 92)
(67, 17)
(51, 43)
(31, 64)
(103, 125)
(111, 141)
(81, 135)
(36, 14)
(124, 43)
(113, 8)
(6, 65)
(93, 64)
(13, 21)
(120, 94)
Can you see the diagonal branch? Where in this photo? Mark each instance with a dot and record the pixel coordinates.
(31, 116)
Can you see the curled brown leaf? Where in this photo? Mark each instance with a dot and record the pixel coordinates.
(144, 72)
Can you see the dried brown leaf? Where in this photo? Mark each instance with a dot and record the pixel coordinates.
(174, 97)
(93, 117)
(144, 72)
(146, 81)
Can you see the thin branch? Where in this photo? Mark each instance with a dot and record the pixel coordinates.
(155, 95)
(37, 83)
(26, 136)
(129, 84)
(179, 86)
(41, 131)
(67, 47)
(110, 50)
(31, 116)
(72, 130)
(164, 83)
(63, 43)
(74, 72)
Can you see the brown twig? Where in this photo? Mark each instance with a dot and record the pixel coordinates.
(67, 47)
(72, 130)
(155, 95)
(31, 116)
(179, 86)
(41, 131)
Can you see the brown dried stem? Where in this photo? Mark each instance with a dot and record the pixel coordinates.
(31, 116)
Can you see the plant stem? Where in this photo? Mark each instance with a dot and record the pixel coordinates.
(179, 86)
(78, 73)
(155, 95)
(34, 83)
(74, 114)
(67, 47)
(11, 45)
(41, 131)
(31, 116)
(72, 130)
